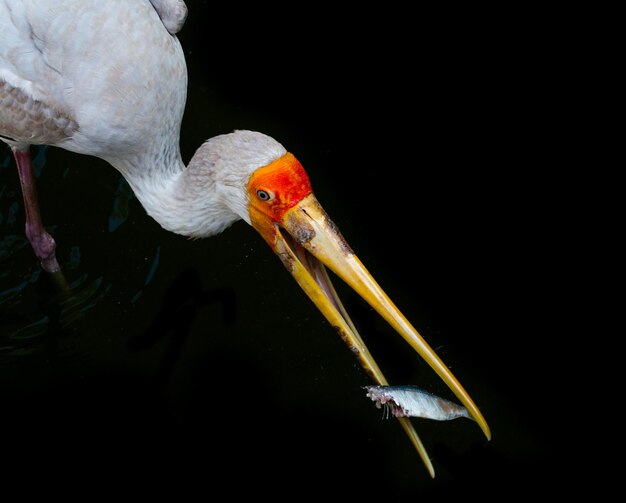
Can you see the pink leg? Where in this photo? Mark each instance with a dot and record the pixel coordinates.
(42, 242)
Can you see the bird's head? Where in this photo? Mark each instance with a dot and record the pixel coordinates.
(284, 210)
(280, 204)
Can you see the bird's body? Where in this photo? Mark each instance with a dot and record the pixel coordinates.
(107, 78)
(73, 83)
(124, 106)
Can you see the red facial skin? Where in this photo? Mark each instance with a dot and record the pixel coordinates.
(286, 183)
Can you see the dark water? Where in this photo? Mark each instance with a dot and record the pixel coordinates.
(169, 355)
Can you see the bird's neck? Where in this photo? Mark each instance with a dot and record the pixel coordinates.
(187, 200)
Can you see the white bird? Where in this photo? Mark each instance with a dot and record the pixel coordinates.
(108, 78)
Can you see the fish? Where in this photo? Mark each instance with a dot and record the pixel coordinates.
(413, 401)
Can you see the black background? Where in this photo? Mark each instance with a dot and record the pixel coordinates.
(424, 136)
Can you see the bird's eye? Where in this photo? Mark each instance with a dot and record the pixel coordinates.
(264, 195)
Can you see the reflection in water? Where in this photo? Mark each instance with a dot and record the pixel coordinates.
(10, 245)
(123, 196)
(39, 160)
(13, 209)
(173, 322)
(27, 317)
(69, 307)
(153, 267)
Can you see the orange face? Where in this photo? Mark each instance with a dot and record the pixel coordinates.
(284, 210)
(273, 190)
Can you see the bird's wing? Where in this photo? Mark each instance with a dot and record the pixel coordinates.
(104, 72)
(24, 120)
(29, 113)
(173, 13)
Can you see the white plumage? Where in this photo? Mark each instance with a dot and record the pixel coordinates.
(108, 78)
(124, 106)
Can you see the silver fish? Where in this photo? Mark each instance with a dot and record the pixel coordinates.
(411, 401)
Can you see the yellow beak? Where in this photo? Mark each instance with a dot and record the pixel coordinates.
(306, 242)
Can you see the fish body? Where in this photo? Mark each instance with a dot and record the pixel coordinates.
(412, 401)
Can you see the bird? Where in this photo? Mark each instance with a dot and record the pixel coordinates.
(108, 79)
